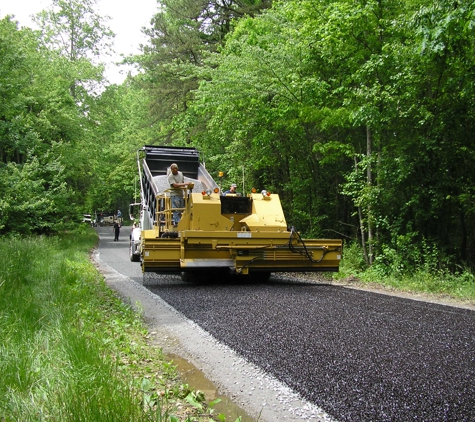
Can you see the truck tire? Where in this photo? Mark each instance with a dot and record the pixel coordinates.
(132, 256)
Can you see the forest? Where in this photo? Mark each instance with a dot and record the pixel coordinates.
(358, 113)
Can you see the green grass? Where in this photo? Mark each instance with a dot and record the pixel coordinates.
(390, 272)
(71, 350)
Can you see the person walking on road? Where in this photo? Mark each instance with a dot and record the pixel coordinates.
(116, 230)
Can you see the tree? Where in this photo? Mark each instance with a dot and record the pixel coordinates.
(16, 61)
(122, 128)
(80, 35)
(266, 108)
(182, 34)
(36, 115)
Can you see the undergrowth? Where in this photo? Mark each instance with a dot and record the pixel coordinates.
(424, 275)
(71, 350)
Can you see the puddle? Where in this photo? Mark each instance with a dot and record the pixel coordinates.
(197, 380)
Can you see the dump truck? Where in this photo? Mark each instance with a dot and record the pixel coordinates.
(241, 234)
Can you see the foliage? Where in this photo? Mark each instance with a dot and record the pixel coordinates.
(35, 195)
(75, 29)
(262, 99)
(422, 273)
(71, 349)
(77, 33)
(38, 123)
(45, 118)
(358, 114)
(182, 33)
(123, 126)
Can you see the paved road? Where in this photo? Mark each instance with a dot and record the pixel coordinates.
(360, 356)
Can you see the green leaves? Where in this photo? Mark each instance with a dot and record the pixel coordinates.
(75, 29)
(34, 195)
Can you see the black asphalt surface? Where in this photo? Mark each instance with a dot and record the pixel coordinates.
(360, 356)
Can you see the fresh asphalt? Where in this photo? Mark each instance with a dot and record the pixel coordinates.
(360, 356)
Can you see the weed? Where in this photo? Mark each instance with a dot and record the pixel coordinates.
(425, 273)
(71, 350)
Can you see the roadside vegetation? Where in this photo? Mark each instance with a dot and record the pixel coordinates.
(409, 271)
(73, 351)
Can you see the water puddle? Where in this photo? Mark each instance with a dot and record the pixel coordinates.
(197, 380)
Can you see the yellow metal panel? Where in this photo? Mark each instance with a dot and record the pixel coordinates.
(267, 214)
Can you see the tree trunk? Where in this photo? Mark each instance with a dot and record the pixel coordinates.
(362, 229)
(369, 180)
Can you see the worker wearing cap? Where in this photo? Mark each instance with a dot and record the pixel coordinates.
(176, 180)
(232, 190)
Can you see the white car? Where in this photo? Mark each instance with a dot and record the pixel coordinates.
(134, 250)
(87, 218)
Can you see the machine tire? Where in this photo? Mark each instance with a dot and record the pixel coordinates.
(132, 256)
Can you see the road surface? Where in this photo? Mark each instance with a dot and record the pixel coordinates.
(290, 349)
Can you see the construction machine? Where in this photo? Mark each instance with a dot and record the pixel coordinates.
(246, 235)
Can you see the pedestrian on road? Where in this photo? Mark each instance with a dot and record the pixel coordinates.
(116, 230)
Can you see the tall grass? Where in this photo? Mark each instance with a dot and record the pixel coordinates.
(391, 270)
(67, 349)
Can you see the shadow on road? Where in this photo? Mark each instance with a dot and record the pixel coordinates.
(220, 281)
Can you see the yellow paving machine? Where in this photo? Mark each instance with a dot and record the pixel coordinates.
(246, 235)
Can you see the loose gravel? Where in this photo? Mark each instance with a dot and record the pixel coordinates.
(360, 356)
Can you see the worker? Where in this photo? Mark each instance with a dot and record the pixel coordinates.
(176, 180)
(231, 190)
(116, 230)
(134, 226)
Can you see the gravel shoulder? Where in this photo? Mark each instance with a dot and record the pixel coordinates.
(354, 283)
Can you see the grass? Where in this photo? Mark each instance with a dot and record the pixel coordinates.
(71, 350)
(422, 279)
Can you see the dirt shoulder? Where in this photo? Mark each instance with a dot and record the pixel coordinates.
(441, 299)
(355, 283)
